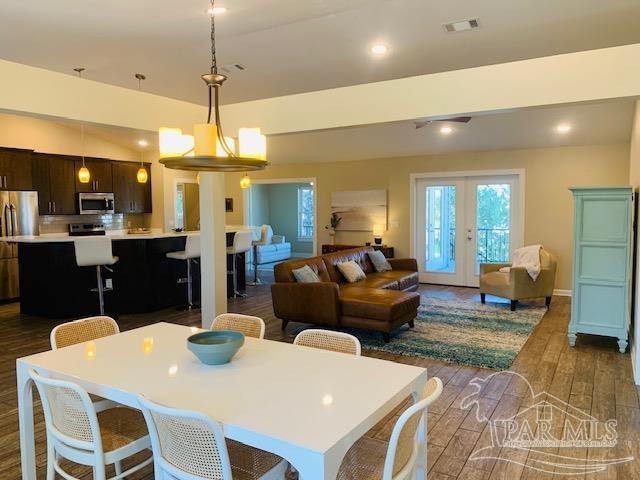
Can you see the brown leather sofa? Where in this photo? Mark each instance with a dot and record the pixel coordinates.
(382, 301)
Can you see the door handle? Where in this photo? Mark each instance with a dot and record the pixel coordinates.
(14, 219)
(7, 219)
(469, 235)
(54, 207)
(48, 207)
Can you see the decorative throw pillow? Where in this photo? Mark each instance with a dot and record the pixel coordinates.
(379, 261)
(305, 275)
(351, 271)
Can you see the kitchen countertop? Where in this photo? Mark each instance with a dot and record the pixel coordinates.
(116, 235)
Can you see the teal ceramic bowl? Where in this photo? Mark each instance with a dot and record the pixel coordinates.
(215, 347)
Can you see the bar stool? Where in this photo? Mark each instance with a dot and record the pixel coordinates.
(265, 234)
(241, 244)
(95, 252)
(191, 252)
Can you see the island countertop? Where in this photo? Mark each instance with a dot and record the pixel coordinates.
(52, 285)
(117, 235)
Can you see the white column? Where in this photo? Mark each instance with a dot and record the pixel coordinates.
(213, 245)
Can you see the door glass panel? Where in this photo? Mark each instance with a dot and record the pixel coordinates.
(493, 215)
(440, 228)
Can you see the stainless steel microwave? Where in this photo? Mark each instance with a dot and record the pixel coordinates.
(95, 203)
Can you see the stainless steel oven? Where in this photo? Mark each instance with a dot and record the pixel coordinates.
(95, 203)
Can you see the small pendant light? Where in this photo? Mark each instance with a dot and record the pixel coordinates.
(142, 175)
(245, 182)
(84, 176)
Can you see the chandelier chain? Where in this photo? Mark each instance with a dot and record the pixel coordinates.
(214, 60)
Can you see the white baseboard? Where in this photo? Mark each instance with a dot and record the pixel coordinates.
(562, 293)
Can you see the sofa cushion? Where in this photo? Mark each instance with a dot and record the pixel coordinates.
(378, 304)
(358, 255)
(306, 274)
(283, 271)
(351, 271)
(380, 263)
(405, 278)
(273, 252)
(374, 280)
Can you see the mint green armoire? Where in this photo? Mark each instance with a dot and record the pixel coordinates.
(602, 252)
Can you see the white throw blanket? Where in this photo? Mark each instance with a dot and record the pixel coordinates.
(527, 257)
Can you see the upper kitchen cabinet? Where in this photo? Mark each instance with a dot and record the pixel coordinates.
(54, 179)
(101, 175)
(131, 196)
(15, 169)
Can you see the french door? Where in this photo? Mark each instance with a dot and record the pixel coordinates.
(465, 221)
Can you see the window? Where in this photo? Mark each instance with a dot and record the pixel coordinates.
(305, 213)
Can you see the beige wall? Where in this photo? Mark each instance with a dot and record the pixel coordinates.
(549, 173)
(53, 137)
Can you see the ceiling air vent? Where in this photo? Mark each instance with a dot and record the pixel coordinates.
(232, 68)
(462, 25)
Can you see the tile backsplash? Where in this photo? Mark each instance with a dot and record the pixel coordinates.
(118, 221)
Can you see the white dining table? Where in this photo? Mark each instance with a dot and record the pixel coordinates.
(306, 405)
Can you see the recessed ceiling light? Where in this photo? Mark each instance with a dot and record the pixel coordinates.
(143, 143)
(446, 130)
(563, 128)
(379, 49)
(216, 10)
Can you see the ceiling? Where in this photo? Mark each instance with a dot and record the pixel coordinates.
(292, 46)
(592, 124)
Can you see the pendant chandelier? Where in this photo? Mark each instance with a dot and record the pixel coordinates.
(208, 150)
(84, 175)
(142, 175)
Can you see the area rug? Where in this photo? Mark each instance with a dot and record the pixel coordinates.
(462, 332)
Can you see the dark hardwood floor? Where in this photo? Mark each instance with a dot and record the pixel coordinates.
(593, 377)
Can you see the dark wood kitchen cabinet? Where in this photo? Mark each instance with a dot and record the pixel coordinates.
(131, 196)
(15, 169)
(54, 179)
(101, 175)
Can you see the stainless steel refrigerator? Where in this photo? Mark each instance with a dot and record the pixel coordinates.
(18, 216)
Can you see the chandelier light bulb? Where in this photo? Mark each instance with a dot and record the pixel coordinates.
(245, 182)
(252, 143)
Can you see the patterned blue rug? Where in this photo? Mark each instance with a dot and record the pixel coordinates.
(462, 332)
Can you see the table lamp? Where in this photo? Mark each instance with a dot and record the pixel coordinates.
(378, 230)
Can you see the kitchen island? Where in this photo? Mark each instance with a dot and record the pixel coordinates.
(144, 280)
